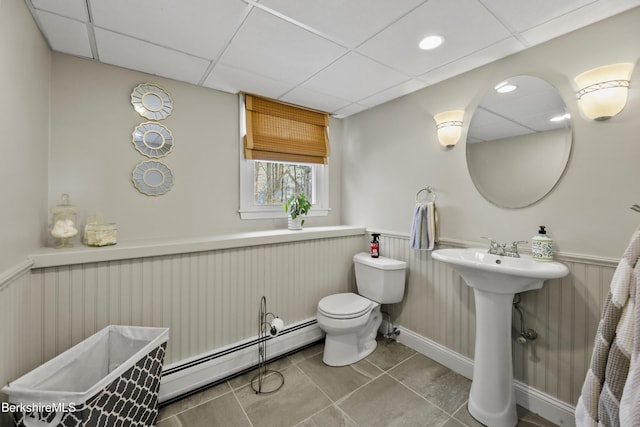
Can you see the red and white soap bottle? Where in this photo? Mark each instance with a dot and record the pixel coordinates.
(375, 246)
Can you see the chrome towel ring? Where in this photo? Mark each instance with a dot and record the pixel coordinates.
(431, 195)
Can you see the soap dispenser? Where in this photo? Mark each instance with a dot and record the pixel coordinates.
(542, 246)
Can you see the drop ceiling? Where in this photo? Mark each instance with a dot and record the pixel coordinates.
(339, 56)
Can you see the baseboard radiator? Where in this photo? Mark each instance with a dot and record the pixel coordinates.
(192, 375)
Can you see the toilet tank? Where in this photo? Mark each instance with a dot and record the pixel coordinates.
(380, 279)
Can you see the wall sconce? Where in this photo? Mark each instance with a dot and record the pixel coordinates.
(602, 92)
(449, 127)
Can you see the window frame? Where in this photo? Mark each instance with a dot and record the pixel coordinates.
(250, 210)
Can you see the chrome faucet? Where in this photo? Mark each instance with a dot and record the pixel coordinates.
(496, 248)
(513, 249)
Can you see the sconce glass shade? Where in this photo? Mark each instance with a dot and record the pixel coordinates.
(449, 127)
(602, 92)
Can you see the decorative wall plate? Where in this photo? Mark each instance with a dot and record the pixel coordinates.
(152, 139)
(152, 178)
(151, 101)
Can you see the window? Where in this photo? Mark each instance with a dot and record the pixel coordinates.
(276, 182)
(284, 151)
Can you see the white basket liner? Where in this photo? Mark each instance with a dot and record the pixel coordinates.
(88, 367)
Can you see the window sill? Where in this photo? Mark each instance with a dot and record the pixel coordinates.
(50, 257)
(278, 213)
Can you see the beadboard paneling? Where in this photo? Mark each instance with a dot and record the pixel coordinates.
(565, 312)
(16, 307)
(208, 299)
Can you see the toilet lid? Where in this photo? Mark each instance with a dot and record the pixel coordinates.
(344, 306)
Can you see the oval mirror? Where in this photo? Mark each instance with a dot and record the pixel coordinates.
(519, 142)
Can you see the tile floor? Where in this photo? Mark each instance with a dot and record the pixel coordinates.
(394, 386)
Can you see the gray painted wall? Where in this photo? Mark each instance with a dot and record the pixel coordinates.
(390, 152)
(380, 158)
(92, 155)
(24, 122)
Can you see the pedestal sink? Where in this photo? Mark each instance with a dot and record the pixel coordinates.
(495, 280)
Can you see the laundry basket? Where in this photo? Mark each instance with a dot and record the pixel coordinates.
(110, 379)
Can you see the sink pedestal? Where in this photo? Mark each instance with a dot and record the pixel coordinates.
(492, 398)
(495, 280)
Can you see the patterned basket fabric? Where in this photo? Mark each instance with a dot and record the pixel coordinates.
(130, 400)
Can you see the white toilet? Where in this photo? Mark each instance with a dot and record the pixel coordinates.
(350, 320)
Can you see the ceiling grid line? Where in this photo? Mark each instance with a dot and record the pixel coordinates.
(335, 56)
(217, 57)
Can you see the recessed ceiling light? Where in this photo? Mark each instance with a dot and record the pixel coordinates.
(431, 42)
(505, 87)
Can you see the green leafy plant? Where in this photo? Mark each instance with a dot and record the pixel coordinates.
(297, 205)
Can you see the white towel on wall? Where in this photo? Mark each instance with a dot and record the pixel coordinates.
(424, 227)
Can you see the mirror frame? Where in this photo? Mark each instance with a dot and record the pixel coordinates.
(143, 90)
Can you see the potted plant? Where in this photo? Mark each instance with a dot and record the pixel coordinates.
(296, 207)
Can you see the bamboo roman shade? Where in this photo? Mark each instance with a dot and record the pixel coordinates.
(282, 132)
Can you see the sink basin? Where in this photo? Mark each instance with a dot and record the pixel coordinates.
(500, 274)
(495, 279)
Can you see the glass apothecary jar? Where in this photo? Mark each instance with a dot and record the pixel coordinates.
(96, 234)
(63, 222)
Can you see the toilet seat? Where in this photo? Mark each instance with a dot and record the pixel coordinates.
(345, 306)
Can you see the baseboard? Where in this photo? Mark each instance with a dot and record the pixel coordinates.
(183, 377)
(441, 354)
(186, 376)
(540, 403)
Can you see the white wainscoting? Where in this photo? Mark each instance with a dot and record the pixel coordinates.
(208, 298)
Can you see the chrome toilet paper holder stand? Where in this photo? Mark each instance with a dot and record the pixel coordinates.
(266, 330)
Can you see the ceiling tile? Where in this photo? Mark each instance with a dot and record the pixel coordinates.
(232, 80)
(137, 55)
(315, 100)
(577, 19)
(197, 27)
(350, 22)
(65, 35)
(354, 77)
(464, 33)
(474, 60)
(523, 15)
(279, 50)
(349, 110)
(402, 89)
(335, 55)
(75, 9)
